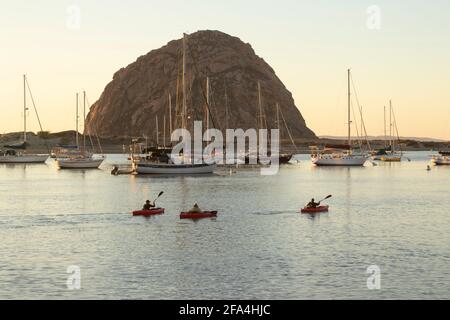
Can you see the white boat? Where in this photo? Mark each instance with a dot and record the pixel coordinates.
(339, 159)
(441, 160)
(24, 158)
(78, 159)
(161, 163)
(392, 155)
(11, 156)
(79, 163)
(144, 167)
(340, 155)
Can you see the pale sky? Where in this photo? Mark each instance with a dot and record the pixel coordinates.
(310, 44)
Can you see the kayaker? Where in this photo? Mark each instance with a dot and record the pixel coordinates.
(313, 204)
(148, 205)
(195, 209)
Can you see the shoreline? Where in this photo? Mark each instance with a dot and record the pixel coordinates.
(43, 143)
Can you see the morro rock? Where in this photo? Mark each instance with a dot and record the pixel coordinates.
(139, 93)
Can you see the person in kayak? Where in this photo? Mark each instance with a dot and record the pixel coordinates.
(195, 209)
(313, 204)
(148, 205)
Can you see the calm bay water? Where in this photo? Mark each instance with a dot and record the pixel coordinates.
(395, 216)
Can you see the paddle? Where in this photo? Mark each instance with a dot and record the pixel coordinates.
(159, 196)
(330, 196)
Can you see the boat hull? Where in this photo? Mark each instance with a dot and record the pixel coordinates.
(391, 159)
(315, 210)
(200, 215)
(79, 163)
(36, 158)
(148, 213)
(163, 168)
(340, 162)
(441, 161)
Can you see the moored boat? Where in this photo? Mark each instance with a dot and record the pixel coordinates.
(336, 157)
(392, 155)
(74, 158)
(441, 160)
(11, 155)
(148, 167)
(341, 155)
(160, 161)
(391, 158)
(82, 162)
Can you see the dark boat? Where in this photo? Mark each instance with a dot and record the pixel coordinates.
(282, 159)
(17, 146)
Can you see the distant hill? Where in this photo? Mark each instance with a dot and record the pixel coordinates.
(422, 139)
(139, 93)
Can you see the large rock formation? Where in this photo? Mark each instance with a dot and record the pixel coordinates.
(139, 93)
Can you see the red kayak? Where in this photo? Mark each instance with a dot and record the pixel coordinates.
(198, 215)
(148, 213)
(316, 210)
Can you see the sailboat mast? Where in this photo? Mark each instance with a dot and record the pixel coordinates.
(349, 116)
(207, 103)
(157, 132)
(24, 108)
(226, 107)
(390, 127)
(260, 106)
(278, 116)
(76, 121)
(385, 134)
(164, 131)
(170, 114)
(184, 115)
(84, 121)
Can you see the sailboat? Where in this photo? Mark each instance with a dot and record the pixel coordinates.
(285, 157)
(340, 155)
(11, 155)
(378, 154)
(391, 154)
(165, 165)
(261, 124)
(81, 159)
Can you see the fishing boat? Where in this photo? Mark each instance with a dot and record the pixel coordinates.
(165, 165)
(392, 155)
(80, 159)
(12, 155)
(340, 155)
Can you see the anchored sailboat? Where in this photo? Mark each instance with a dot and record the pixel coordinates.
(82, 159)
(392, 155)
(12, 155)
(163, 164)
(340, 155)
